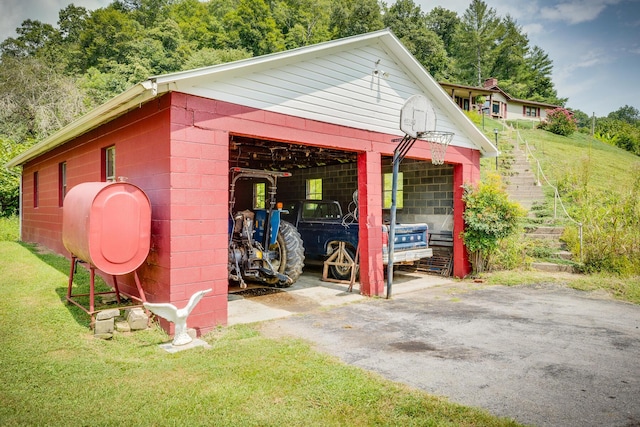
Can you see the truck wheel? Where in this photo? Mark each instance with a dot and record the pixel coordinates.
(290, 254)
(343, 273)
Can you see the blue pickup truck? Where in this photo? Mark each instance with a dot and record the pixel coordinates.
(323, 226)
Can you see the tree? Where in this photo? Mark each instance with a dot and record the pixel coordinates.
(32, 37)
(251, 26)
(627, 114)
(476, 39)
(510, 52)
(302, 22)
(444, 23)
(36, 99)
(352, 17)
(408, 22)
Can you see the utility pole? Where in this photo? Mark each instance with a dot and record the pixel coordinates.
(593, 123)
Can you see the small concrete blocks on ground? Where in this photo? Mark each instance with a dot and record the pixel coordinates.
(107, 322)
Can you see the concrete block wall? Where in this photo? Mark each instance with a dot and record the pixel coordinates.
(428, 189)
(338, 183)
(428, 194)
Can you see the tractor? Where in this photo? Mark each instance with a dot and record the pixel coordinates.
(262, 247)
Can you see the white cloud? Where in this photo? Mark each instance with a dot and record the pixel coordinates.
(534, 28)
(576, 11)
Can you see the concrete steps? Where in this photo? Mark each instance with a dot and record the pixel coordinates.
(522, 187)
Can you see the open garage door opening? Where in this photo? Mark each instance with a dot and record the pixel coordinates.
(425, 195)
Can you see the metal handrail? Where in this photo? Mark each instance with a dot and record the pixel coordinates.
(556, 196)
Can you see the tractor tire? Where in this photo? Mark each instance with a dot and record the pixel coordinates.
(291, 254)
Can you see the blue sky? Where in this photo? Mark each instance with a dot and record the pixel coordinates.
(594, 44)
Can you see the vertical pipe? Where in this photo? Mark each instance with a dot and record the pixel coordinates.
(392, 220)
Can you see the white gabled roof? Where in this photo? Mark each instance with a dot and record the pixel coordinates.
(331, 82)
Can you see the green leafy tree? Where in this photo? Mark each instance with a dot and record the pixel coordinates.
(408, 22)
(509, 55)
(489, 216)
(302, 22)
(444, 23)
(352, 17)
(541, 86)
(251, 27)
(627, 114)
(476, 40)
(206, 57)
(200, 26)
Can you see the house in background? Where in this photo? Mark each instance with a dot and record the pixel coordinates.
(497, 104)
(327, 113)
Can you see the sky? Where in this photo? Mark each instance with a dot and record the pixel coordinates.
(594, 44)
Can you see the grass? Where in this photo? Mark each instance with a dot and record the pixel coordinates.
(624, 289)
(55, 373)
(582, 158)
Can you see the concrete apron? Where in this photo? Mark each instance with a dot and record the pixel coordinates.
(310, 293)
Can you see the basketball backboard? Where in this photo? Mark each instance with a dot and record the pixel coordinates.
(417, 116)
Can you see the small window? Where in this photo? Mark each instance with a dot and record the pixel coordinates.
(387, 187)
(259, 195)
(531, 111)
(36, 196)
(314, 189)
(62, 182)
(109, 164)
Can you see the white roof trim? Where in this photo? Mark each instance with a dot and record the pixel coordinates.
(158, 85)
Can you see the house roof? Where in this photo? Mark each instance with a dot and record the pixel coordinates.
(188, 81)
(521, 101)
(464, 91)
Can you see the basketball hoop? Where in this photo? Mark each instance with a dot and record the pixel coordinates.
(439, 141)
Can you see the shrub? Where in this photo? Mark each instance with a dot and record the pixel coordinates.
(559, 121)
(610, 231)
(489, 216)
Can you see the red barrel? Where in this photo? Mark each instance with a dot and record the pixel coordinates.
(107, 224)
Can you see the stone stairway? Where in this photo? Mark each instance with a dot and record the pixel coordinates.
(522, 187)
(522, 184)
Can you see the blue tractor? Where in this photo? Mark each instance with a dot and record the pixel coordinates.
(262, 247)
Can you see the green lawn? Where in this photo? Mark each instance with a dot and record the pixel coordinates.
(55, 373)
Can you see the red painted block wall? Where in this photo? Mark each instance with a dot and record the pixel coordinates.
(176, 149)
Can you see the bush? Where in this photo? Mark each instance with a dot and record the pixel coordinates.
(610, 231)
(489, 216)
(559, 121)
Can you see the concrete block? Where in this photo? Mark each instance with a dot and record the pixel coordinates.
(108, 314)
(123, 326)
(103, 336)
(104, 326)
(137, 319)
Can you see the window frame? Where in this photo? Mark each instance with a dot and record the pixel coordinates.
(387, 189)
(62, 182)
(311, 190)
(36, 189)
(259, 192)
(108, 154)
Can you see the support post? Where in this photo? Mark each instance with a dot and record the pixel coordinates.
(398, 155)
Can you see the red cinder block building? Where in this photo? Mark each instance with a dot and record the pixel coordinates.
(326, 112)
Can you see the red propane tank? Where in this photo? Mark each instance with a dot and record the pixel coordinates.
(107, 224)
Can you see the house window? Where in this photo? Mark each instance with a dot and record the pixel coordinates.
(387, 189)
(531, 111)
(314, 189)
(109, 164)
(62, 182)
(259, 195)
(36, 196)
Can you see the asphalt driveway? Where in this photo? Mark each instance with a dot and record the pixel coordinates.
(544, 355)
